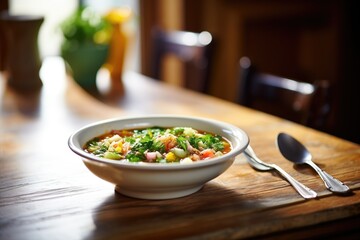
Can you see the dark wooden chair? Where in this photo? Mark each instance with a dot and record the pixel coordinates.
(193, 49)
(302, 102)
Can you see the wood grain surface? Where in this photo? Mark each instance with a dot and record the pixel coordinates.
(46, 192)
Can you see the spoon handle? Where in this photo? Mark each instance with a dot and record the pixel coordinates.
(302, 189)
(331, 183)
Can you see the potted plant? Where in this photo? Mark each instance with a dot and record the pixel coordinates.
(85, 46)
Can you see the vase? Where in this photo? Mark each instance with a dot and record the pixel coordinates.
(85, 61)
(114, 64)
(22, 60)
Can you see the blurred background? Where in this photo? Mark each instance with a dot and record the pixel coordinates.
(57, 11)
(300, 39)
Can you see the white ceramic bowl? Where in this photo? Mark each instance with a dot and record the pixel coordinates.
(156, 180)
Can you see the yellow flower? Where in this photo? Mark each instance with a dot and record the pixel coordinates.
(119, 15)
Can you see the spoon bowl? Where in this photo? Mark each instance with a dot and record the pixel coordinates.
(292, 149)
(296, 152)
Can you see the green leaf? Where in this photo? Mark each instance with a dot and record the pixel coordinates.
(182, 142)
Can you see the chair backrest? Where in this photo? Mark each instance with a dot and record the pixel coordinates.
(302, 102)
(193, 49)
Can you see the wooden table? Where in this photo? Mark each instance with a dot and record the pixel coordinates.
(47, 193)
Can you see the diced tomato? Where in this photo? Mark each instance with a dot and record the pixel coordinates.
(207, 153)
(169, 142)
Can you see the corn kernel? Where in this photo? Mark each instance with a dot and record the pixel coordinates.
(170, 157)
(119, 148)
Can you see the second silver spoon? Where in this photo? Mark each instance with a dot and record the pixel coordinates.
(295, 152)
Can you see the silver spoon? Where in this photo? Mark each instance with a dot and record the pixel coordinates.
(256, 163)
(295, 152)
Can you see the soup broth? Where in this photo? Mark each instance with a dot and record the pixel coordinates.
(158, 145)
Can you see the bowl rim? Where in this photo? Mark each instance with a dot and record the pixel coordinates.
(236, 131)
